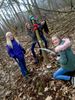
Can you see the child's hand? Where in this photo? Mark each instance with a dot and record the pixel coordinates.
(35, 27)
(58, 49)
(57, 58)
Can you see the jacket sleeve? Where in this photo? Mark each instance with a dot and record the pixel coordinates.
(63, 58)
(22, 49)
(10, 51)
(30, 33)
(64, 46)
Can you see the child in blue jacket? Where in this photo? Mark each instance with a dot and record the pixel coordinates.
(16, 51)
(65, 57)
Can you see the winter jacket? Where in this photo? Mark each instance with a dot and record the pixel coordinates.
(67, 43)
(67, 58)
(40, 29)
(45, 27)
(17, 51)
(32, 35)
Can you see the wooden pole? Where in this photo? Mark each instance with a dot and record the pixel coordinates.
(41, 45)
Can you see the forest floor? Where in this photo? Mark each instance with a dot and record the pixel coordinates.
(41, 85)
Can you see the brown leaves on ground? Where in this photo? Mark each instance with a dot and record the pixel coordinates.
(40, 85)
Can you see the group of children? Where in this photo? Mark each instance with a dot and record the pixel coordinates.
(32, 34)
(65, 55)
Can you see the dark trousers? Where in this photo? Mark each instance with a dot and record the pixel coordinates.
(22, 64)
(33, 51)
(33, 46)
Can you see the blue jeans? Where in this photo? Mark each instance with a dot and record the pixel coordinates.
(60, 74)
(22, 64)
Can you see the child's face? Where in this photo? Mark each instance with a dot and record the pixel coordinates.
(28, 26)
(11, 36)
(55, 41)
(42, 22)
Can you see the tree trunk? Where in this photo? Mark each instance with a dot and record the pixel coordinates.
(5, 17)
(18, 5)
(41, 45)
(30, 9)
(16, 14)
(3, 26)
(1, 30)
(37, 9)
(71, 4)
(5, 22)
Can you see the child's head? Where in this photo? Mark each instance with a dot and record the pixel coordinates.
(42, 22)
(55, 40)
(27, 25)
(9, 35)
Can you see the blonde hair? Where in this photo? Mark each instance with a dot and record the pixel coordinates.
(8, 41)
(56, 36)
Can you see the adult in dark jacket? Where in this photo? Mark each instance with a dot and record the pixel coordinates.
(16, 51)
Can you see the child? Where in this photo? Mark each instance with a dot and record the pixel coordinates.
(34, 41)
(32, 34)
(65, 57)
(16, 51)
(39, 28)
(45, 27)
(43, 23)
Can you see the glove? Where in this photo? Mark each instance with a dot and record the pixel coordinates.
(24, 51)
(35, 27)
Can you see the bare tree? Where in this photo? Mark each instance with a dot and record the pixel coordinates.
(16, 13)
(36, 8)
